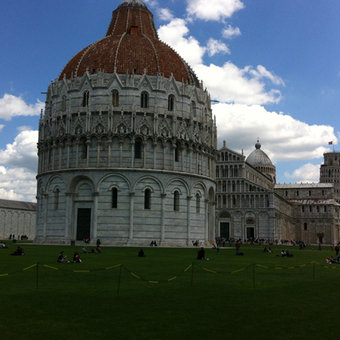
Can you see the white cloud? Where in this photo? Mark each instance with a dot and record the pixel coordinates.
(225, 83)
(262, 73)
(306, 174)
(228, 83)
(17, 184)
(230, 32)
(216, 46)
(22, 152)
(282, 137)
(216, 10)
(165, 14)
(11, 106)
(175, 34)
(1, 127)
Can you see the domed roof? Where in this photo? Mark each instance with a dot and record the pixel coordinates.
(131, 45)
(259, 158)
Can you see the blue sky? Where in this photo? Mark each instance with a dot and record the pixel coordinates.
(274, 67)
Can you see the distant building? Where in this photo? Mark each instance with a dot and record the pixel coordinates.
(330, 171)
(247, 206)
(250, 205)
(17, 218)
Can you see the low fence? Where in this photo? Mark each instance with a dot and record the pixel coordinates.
(192, 271)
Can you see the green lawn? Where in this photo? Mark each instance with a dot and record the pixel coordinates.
(168, 294)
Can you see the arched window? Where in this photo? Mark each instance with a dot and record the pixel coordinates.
(138, 149)
(86, 97)
(144, 99)
(56, 198)
(171, 102)
(176, 201)
(63, 104)
(115, 98)
(114, 201)
(198, 203)
(147, 199)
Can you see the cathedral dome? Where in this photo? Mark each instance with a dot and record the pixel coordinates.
(131, 45)
(258, 157)
(261, 162)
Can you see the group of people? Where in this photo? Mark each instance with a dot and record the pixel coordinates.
(22, 237)
(62, 258)
(285, 253)
(18, 252)
(332, 259)
(153, 243)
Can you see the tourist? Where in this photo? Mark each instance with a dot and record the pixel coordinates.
(62, 258)
(76, 258)
(238, 246)
(201, 254)
(19, 252)
(141, 253)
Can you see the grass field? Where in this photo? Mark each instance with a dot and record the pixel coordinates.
(168, 294)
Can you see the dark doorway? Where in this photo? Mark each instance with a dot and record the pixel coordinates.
(83, 223)
(250, 233)
(224, 230)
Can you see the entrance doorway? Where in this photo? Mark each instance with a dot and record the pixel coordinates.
(250, 233)
(83, 223)
(224, 230)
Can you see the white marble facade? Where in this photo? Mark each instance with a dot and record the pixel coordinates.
(126, 159)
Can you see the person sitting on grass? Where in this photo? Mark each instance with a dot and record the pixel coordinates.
(97, 250)
(62, 258)
(141, 253)
(76, 258)
(19, 252)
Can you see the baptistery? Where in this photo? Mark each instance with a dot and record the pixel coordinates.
(127, 143)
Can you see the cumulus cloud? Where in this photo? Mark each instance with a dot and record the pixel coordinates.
(17, 184)
(306, 174)
(228, 83)
(216, 46)
(22, 152)
(262, 73)
(1, 127)
(230, 32)
(11, 106)
(175, 33)
(282, 137)
(165, 14)
(215, 10)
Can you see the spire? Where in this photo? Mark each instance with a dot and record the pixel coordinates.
(258, 145)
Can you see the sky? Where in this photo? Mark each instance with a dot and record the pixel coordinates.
(272, 69)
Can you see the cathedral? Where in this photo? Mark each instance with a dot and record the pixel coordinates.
(127, 143)
(128, 154)
(250, 205)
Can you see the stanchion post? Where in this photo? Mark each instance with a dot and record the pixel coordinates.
(254, 275)
(119, 278)
(37, 276)
(192, 273)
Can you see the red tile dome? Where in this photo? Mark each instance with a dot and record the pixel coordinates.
(131, 45)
